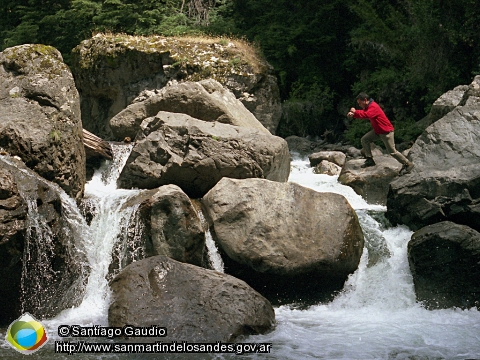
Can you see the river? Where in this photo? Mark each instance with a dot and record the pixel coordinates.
(376, 315)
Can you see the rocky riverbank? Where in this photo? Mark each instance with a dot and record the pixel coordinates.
(196, 135)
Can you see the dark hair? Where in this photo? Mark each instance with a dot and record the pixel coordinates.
(362, 96)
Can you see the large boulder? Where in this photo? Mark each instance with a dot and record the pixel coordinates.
(193, 154)
(285, 240)
(471, 97)
(444, 260)
(40, 272)
(40, 115)
(445, 181)
(192, 303)
(111, 70)
(371, 183)
(13, 213)
(204, 100)
(444, 104)
(170, 225)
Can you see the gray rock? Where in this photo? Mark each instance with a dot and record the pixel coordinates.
(171, 225)
(205, 100)
(327, 168)
(40, 118)
(444, 104)
(371, 183)
(444, 183)
(445, 262)
(195, 155)
(111, 70)
(194, 304)
(336, 157)
(282, 237)
(40, 272)
(472, 95)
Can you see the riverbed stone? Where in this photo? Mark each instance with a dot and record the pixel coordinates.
(444, 260)
(336, 157)
(371, 183)
(285, 240)
(170, 225)
(194, 304)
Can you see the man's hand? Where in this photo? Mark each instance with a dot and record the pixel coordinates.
(351, 112)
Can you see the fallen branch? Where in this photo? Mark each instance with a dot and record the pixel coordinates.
(95, 146)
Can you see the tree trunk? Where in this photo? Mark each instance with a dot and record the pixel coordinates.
(95, 146)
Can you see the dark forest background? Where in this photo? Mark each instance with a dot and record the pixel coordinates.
(404, 53)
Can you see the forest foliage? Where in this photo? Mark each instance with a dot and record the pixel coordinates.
(404, 53)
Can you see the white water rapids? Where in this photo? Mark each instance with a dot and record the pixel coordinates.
(375, 317)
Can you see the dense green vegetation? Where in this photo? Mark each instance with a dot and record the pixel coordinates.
(404, 53)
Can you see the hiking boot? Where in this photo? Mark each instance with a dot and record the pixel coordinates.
(407, 168)
(369, 162)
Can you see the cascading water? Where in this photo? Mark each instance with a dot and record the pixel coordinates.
(109, 224)
(376, 315)
(214, 257)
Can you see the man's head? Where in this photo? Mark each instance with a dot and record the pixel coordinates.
(362, 100)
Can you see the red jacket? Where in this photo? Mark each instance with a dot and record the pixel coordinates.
(378, 119)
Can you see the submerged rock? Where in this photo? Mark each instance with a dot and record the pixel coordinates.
(194, 304)
(40, 117)
(178, 149)
(285, 240)
(445, 263)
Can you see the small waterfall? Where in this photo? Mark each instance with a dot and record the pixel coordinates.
(376, 316)
(214, 257)
(49, 281)
(105, 247)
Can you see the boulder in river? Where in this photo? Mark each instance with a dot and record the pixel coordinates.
(445, 263)
(192, 303)
(285, 240)
(170, 225)
(193, 154)
(40, 115)
(371, 183)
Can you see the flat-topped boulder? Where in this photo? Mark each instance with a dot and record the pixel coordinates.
(193, 154)
(205, 100)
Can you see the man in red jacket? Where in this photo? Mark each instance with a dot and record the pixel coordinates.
(382, 129)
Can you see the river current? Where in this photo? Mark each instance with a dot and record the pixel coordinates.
(376, 316)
